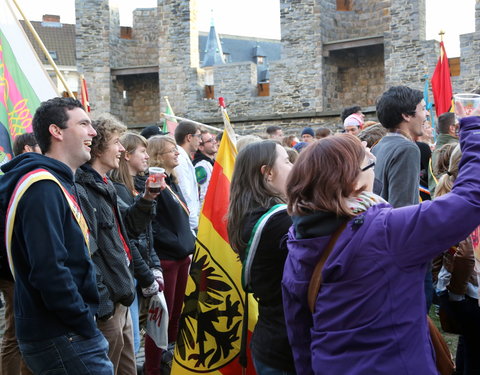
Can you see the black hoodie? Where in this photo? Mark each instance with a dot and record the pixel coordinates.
(55, 287)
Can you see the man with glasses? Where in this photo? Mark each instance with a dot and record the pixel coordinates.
(203, 162)
(188, 137)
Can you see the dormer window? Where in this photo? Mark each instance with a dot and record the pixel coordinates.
(53, 55)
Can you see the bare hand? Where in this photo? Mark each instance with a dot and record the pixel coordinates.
(151, 193)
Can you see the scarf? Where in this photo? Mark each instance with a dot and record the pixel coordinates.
(364, 201)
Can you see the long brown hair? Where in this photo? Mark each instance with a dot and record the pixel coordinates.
(324, 175)
(130, 142)
(157, 145)
(249, 189)
(445, 184)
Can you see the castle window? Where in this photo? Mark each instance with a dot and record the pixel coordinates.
(344, 5)
(260, 60)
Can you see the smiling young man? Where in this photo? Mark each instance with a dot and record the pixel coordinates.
(56, 295)
(111, 254)
(401, 110)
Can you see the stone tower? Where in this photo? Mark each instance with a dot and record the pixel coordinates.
(97, 28)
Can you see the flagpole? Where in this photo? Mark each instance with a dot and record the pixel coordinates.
(44, 50)
(195, 122)
(168, 103)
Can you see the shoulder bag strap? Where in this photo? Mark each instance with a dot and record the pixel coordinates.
(252, 245)
(316, 280)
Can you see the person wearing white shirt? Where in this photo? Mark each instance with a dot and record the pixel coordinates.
(188, 137)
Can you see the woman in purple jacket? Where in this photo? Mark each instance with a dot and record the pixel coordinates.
(370, 315)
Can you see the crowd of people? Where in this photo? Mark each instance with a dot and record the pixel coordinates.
(345, 239)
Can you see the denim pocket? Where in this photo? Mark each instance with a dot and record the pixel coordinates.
(43, 357)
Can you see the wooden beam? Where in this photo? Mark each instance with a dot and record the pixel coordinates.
(338, 45)
(132, 70)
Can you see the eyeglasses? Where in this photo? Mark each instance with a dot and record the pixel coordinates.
(371, 165)
(172, 151)
(199, 135)
(213, 140)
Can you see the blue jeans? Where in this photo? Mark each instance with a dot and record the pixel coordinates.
(135, 314)
(263, 369)
(69, 354)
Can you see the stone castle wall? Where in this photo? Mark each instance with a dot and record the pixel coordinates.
(306, 87)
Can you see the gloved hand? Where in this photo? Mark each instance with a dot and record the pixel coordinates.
(151, 290)
(158, 275)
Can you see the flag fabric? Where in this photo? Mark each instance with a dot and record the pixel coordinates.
(84, 97)
(441, 84)
(23, 81)
(169, 123)
(429, 105)
(210, 332)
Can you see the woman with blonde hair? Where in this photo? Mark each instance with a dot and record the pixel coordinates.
(173, 239)
(366, 310)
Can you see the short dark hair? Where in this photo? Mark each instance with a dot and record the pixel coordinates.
(152, 130)
(445, 120)
(183, 129)
(22, 140)
(396, 102)
(349, 111)
(322, 133)
(52, 111)
(273, 129)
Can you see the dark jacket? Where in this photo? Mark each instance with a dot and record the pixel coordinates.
(173, 238)
(459, 260)
(270, 341)
(55, 288)
(114, 274)
(201, 156)
(425, 155)
(138, 214)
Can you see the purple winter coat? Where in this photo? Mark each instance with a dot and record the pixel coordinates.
(370, 315)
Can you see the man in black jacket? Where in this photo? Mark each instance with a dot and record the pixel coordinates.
(56, 297)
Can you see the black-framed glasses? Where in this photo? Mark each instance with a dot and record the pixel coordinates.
(371, 165)
(199, 135)
(213, 140)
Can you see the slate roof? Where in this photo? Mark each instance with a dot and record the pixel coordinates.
(241, 49)
(57, 37)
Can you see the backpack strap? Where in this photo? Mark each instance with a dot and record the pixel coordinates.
(22, 186)
(252, 245)
(316, 279)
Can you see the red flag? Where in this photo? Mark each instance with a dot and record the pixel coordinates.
(441, 84)
(84, 97)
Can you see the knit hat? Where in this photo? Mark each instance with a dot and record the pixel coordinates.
(150, 131)
(353, 120)
(308, 130)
